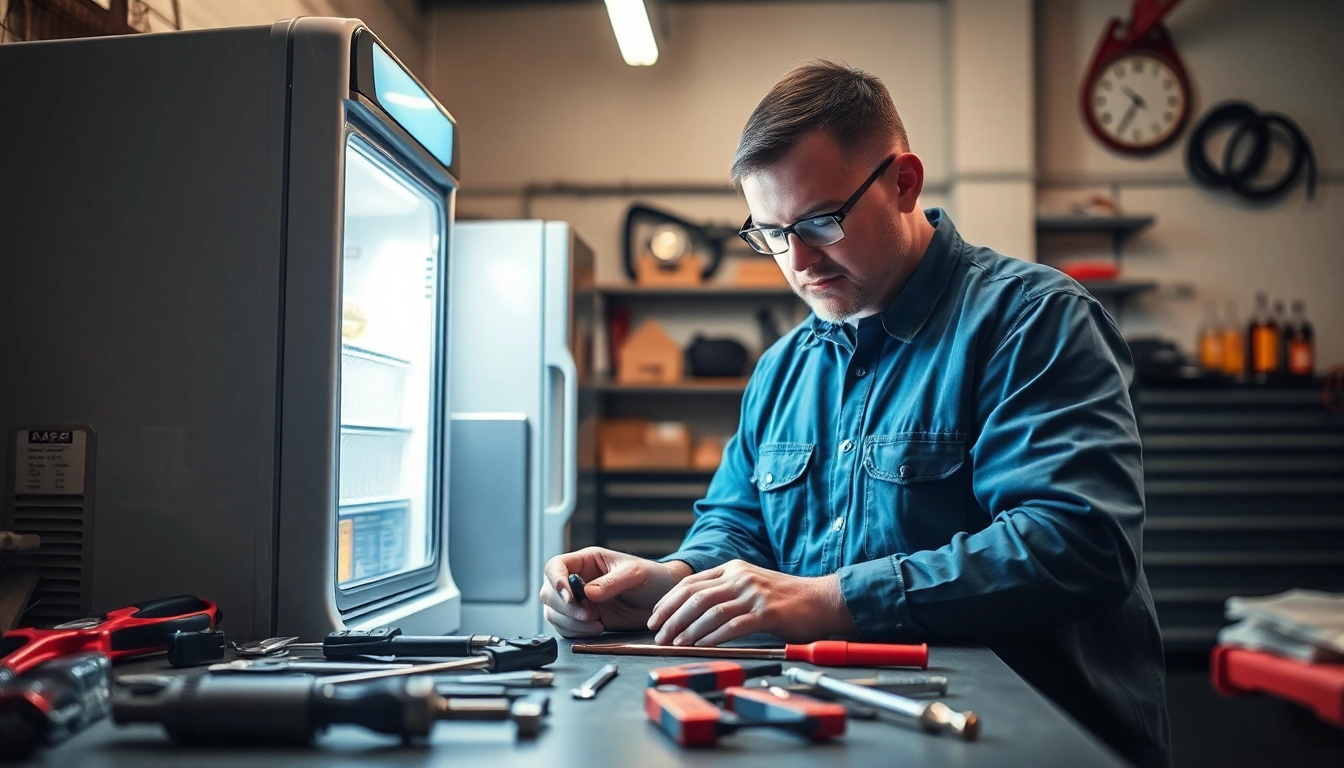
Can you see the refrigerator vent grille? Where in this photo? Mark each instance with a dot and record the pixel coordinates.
(62, 589)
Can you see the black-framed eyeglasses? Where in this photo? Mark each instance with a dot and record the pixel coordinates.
(816, 231)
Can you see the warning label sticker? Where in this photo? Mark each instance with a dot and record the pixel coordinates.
(50, 462)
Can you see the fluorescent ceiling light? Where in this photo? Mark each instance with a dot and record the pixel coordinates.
(634, 33)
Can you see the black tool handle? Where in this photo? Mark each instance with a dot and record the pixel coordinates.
(388, 641)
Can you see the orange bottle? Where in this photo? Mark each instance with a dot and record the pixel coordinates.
(1262, 342)
(1234, 344)
(1299, 342)
(1211, 340)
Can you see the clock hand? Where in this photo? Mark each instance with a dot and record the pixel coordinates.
(1134, 97)
(1124, 121)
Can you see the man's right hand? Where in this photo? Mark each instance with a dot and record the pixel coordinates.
(621, 591)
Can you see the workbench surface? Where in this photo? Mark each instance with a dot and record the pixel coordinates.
(1020, 727)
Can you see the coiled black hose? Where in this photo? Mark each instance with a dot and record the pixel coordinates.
(1260, 128)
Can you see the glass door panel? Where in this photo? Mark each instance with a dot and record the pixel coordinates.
(389, 334)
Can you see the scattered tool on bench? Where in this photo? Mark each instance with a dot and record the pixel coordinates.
(55, 682)
(691, 721)
(135, 630)
(49, 704)
(827, 653)
(271, 646)
(589, 688)
(521, 653)
(710, 675)
(932, 716)
(389, 642)
(241, 709)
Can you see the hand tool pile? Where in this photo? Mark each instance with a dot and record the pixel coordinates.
(695, 704)
(56, 682)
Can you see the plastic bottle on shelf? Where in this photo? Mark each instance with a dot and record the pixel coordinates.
(1299, 343)
(1234, 344)
(1211, 356)
(1262, 342)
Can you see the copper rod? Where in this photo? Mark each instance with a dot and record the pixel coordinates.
(638, 649)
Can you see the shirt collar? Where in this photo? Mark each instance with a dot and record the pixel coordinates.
(905, 316)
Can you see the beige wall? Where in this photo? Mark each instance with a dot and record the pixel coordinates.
(398, 23)
(1283, 56)
(542, 96)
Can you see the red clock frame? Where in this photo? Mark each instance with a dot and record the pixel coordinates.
(1145, 33)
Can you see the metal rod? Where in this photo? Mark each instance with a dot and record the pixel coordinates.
(932, 716)
(639, 649)
(475, 662)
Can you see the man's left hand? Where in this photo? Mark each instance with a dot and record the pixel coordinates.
(737, 599)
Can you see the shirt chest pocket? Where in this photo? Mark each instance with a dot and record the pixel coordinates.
(781, 479)
(914, 492)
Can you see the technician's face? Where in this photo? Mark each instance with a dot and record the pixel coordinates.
(856, 276)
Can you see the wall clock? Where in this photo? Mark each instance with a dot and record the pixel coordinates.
(1136, 97)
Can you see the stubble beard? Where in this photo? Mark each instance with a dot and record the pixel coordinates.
(850, 295)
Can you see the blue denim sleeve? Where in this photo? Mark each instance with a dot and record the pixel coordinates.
(1058, 466)
(729, 524)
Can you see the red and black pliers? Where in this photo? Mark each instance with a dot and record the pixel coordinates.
(135, 630)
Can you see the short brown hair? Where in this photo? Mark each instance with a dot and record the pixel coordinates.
(850, 103)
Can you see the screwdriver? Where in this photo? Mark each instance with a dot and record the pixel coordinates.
(932, 716)
(292, 709)
(826, 653)
(388, 641)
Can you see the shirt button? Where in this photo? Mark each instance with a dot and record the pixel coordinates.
(860, 372)
(847, 446)
(904, 470)
(769, 478)
(838, 525)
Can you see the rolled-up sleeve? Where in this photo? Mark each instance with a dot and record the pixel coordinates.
(1057, 464)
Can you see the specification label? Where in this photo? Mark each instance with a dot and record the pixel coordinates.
(50, 461)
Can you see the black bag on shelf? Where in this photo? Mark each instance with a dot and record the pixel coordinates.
(716, 357)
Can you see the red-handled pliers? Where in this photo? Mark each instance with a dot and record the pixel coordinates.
(131, 631)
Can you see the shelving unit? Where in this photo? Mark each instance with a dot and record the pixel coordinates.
(647, 511)
(1119, 228)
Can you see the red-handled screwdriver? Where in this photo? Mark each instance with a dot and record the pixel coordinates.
(826, 653)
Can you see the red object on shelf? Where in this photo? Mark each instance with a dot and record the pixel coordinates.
(1319, 687)
(1091, 270)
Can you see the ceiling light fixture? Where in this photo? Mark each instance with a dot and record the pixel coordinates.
(634, 32)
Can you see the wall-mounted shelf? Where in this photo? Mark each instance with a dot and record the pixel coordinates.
(1119, 288)
(1118, 227)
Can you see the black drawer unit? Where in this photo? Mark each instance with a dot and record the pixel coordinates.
(1245, 491)
(647, 512)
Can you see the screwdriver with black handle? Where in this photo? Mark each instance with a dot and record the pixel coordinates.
(390, 642)
(292, 709)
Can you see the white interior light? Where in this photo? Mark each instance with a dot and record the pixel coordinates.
(634, 33)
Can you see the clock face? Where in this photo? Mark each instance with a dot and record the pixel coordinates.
(1137, 103)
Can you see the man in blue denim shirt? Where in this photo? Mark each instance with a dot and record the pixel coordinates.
(945, 451)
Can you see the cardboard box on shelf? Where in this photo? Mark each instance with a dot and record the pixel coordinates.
(650, 356)
(643, 444)
(708, 453)
(759, 273)
(685, 272)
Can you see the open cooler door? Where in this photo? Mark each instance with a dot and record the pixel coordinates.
(364, 473)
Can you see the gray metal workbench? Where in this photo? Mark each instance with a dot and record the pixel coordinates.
(1020, 728)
